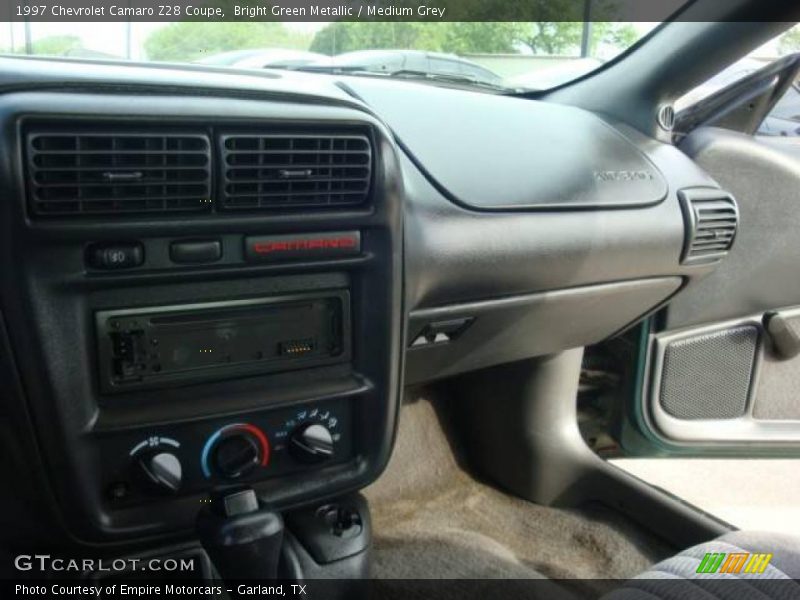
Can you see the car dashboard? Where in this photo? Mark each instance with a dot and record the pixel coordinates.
(217, 278)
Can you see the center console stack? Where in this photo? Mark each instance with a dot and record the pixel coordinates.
(201, 293)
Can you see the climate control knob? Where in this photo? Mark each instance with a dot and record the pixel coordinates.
(161, 472)
(236, 455)
(311, 443)
(235, 450)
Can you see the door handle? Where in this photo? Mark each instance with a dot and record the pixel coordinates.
(784, 333)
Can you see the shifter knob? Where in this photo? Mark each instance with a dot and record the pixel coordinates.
(242, 538)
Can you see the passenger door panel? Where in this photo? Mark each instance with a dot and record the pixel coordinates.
(714, 379)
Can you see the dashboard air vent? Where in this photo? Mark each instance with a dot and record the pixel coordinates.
(712, 218)
(86, 171)
(295, 170)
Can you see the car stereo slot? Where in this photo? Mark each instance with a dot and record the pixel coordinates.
(177, 345)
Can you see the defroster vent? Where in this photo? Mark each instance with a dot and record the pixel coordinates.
(87, 171)
(712, 218)
(287, 170)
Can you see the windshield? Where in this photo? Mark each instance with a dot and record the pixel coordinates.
(530, 55)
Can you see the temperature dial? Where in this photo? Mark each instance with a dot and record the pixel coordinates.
(311, 443)
(235, 451)
(236, 455)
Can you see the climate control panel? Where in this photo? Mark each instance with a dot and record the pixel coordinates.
(190, 458)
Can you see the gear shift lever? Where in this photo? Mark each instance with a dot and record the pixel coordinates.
(242, 538)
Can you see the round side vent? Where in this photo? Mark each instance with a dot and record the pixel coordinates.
(666, 117)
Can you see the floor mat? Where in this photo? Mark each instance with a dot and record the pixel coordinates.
(431, 519)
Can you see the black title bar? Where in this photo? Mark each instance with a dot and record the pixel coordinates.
(333, 10)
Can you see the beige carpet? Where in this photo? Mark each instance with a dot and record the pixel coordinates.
(431, 519)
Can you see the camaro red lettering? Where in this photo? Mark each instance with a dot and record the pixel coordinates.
(310, 244)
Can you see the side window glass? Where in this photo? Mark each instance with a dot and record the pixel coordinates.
(784, 120)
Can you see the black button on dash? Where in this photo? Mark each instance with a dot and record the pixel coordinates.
(115, 256)
(195, 251)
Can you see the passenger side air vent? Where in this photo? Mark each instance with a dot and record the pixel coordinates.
(88, 171)
(288, 170)
(712, 218)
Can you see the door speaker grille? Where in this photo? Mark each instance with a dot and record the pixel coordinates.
(709, 376)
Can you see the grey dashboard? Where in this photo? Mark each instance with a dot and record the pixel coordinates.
(457, 251)
(538, 227)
